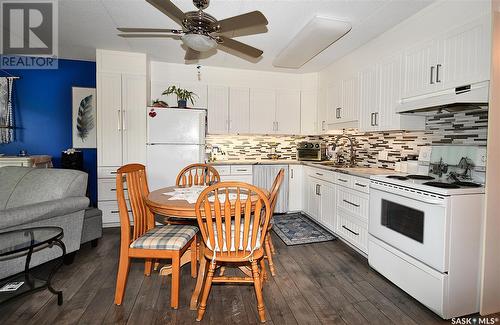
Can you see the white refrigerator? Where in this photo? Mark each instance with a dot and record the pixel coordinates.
(176, 138)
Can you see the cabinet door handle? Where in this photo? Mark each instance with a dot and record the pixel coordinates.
(343, 180)
(432, 75)
(349, 230)
(277, 126)
(291, 173)
(437, 72)
(119, 119)
(124, 120)
(376, 119)
(360, 185)
(323, 125)
(319, 189)
(241, 170)
(319, 174)
(353, 204)
(371, 119)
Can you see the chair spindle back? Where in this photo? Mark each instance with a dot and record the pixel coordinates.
(197, 174)
(233, 218)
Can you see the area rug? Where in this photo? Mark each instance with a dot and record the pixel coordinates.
(297, 229)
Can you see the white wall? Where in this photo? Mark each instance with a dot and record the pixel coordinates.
(490, 284)
(164, 74)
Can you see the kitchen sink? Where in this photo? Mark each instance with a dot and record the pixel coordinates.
(334, 164)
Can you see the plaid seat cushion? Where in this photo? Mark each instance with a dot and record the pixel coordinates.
(169, 237)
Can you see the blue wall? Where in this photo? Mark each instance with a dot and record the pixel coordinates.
(43, 113)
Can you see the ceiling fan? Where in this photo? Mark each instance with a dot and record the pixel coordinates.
(200, 31)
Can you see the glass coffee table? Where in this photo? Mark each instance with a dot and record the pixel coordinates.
(24, 242)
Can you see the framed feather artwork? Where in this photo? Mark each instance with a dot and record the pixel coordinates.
(84, 118)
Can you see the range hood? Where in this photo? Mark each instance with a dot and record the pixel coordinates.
(473, 96)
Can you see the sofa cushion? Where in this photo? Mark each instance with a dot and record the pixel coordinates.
(9, 177)
(44, 184)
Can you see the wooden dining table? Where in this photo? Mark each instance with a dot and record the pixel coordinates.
(159, 202)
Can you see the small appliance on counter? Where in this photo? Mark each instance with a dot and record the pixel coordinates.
(311, 151)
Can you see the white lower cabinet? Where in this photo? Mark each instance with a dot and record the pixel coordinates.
(295, 188)
(339, 202)
(235, 173)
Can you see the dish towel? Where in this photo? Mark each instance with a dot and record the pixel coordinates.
(6, 116)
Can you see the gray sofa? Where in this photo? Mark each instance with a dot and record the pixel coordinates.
(32, 197)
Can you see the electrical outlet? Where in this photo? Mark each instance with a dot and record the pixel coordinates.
(425, 154)
(383, 155)
(480, 159)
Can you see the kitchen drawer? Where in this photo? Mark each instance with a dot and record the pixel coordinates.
(343, 179)
(355, 202)
(107, 172)
(360, 184)
(110, 214)
(352, 230)
(237, 178)
(322, 174)
(223, 169)
(106, 189)
(241, 169)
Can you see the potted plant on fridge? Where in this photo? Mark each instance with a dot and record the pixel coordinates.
(183, 95)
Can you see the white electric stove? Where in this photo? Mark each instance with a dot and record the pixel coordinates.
(425, 237)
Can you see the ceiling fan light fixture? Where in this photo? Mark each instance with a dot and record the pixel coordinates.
(316, 36)
(199, 42)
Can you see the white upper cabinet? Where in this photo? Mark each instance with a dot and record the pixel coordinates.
(109, 119)
(369, 103)
(343, 100)
(458, 57)
(390, 72)
(420, 69)
(309, 112)
(134, 123)
(121, 108)
(350, 99)
(239, 110)
(465, 54)
(218, 109)
(287, 112)
(333, 102)
(262, 110)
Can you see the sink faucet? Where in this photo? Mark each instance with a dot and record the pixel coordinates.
(351, 142)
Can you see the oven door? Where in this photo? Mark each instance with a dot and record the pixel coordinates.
(411, 223)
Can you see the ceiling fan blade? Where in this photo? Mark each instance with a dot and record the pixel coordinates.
(149, 35)
(148, 30)
(169, 9)
(240, 47)
(191, 54)
(254, 18)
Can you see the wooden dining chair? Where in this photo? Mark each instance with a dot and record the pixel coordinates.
(273, 199)
(197, 174)
(233, 218)
(145, 240)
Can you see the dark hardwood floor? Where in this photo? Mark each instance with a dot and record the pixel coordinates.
(323, 283)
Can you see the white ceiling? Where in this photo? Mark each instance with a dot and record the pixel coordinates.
(85, 25)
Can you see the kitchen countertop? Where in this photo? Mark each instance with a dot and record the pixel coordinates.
(365, 172)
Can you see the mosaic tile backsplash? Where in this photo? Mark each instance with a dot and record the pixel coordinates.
(461, 128)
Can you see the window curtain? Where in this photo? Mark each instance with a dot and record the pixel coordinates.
(6, 115)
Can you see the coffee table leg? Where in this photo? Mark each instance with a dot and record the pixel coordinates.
(52, 273)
